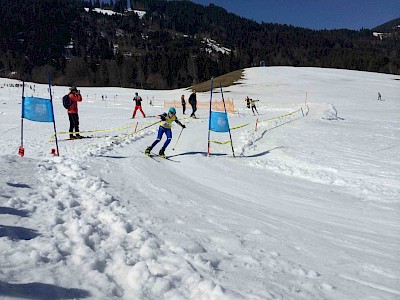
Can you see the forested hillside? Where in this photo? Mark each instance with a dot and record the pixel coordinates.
(168, 44)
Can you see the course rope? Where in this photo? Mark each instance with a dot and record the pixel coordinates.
(91, 131)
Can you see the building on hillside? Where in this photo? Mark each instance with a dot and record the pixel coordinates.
(68, 50)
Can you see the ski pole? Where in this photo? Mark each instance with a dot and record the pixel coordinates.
(178, 139)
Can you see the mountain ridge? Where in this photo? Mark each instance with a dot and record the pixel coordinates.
(175, 44)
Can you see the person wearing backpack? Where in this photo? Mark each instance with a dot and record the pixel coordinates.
(74, 97)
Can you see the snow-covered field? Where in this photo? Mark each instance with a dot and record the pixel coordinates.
(309, 208)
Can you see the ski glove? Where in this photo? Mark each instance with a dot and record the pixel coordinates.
(162, 118)
(183, 126)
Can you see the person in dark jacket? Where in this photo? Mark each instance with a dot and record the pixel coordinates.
(138, 105)
(183, 102)
(165, 127)
(75, 97)
(247, 102)
(193, 103)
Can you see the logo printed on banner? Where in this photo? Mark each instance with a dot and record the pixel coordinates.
(219, 122)
(40, 109)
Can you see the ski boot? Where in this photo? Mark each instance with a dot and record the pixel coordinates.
(147, 151)
(161, 153)
(78, 136)
(72, 137)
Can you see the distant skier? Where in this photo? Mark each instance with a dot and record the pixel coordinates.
(183, 102)
(247, 102)
(379, 96)
(165, 127)
(253, 106)
(193, 103)
(138, 105)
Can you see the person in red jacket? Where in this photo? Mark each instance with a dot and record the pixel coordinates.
(75, 97)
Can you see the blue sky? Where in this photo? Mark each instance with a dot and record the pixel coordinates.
(314, 14)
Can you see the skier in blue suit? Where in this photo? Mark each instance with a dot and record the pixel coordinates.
(165, 127)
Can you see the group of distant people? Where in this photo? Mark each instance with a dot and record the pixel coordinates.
(75, 97)
(192, 101)
(250, 103)
(167, 119)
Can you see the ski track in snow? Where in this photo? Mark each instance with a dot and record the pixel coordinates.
(154, 269)
(205, 263)
(89, 231)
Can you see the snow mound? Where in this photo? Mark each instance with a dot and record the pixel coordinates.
(330, 114)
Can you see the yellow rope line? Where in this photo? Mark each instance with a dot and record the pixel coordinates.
(91, 131)
(135, 132)
(239, 126)
(280, 116)
(220, 143)
(130, 134)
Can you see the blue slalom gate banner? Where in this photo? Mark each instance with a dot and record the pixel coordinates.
(37, 109)
(219, 121)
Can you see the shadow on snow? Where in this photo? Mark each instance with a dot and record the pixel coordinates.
(37, 290)
(203, 153)
(19, 185)
(17, 233)
(13, 211)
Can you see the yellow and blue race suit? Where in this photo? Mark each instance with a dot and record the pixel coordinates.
(165, 127)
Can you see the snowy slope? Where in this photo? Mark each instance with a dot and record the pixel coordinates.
(309, 208)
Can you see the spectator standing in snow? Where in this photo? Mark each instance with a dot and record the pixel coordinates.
(165, 127)
(75, 97)
(193, 103)
(183, 102)
(138, 105)
(379, 96)
(247, 102)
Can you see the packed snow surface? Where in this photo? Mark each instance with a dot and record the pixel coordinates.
(308, 209)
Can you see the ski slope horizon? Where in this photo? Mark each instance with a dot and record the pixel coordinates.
(308, 209)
